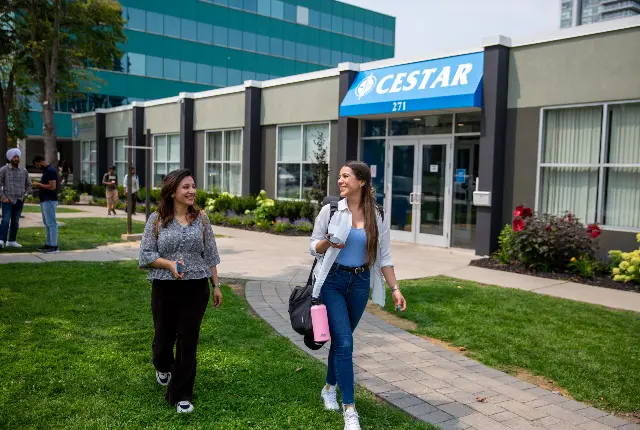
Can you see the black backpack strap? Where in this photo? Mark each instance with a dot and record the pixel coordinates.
(333, 207)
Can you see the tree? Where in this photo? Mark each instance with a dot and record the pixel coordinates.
(320, 169)
(64, 41)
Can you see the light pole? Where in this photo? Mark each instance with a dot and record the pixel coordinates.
(148, 148)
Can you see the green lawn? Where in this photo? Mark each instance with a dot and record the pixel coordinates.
(75, 353)
(77, 233)
(591, 351)
(36, 209)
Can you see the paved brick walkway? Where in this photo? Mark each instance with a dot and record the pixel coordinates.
(434, 384)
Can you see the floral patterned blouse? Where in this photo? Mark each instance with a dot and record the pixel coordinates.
(176, 242)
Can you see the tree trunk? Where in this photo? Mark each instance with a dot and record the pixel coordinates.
(49, 134)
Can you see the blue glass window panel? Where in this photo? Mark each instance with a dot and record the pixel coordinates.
(262, 77)
(171, 69)
(289, 49)
(222, 2)
(220, 76)
(336, 24)
(313, 54)
(155, 23)
(124, 63)
(251, 5)
(125, 16)
(154, 66)
(263, 44)
(335, 57)
(276, 46)
(249, 41)
(379, 34)
(264, 7)
(346, 57)
(325, 21)
(277, 9)
(205, 32)
(137, 19)
(235, 77)
(235, 38)
(368, 32)
(235, 3)
(325, 56)
(314, 18)
(388, 37)
(301, 52)
(171, 26)
(220, 35)
(137, 64)
(189, 29)
(357, 58)
(204, 74)
(187, 71)
(358, 29)
(347, 26)
(290, 12)
(248, 76)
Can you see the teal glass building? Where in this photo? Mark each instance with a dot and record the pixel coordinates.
(196, 45)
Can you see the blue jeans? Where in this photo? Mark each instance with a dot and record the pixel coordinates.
(50, 224)
(10, 220)
(345, 295)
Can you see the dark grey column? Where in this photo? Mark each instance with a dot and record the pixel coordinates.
(138, 133)
(347, 147)
(252, 141)
(187, 136)
(102, 146)
(492, 146)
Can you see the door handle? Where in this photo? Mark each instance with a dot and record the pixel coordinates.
(410, 198)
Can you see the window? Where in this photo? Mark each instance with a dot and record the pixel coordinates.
(137, 19)
(368, 32)
(220, 35)
(276, 46)
(248, 75)
(250, 5)
(314, 18)
(223, 161)
(301, 52)
(468, 122)
(154, 66)
(325, 56)
(235, 3)
(235, 77)
(235, 38)
(277, 9)
(171, 69)
(336, 24)
(188, 71)
(137, 64)
(313, 54)
(434, 124)
(290, 12)
(335, 57)
(388, 37)
(358, 29)
(296, 159)
(325, 21)
(264, 7)
(171, 26)
(189, 29)
(120, 158)
(591, 167)
(249, 41)
(155, 23)
(204, 74)
(302, 15)
(205, 33)
(88, 166)
(166, 149)
(289, 49)
(220, 76)
(347, 26)
(263, 44)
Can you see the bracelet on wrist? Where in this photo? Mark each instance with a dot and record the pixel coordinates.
(396, 287)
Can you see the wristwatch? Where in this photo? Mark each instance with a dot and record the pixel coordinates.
(216, 285)
(395, 287)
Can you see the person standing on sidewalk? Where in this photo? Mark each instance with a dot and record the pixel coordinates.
(135, 187)
(48, 192)
(179, 249)
(15, 185)
(110, 179)
(352, 259)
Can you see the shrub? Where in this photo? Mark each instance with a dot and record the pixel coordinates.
(70, 196)
(506, 240)
(583, 266)
(548, 243)
(98, 191)
(303, 225)
(626, 265)
(216, 218)
(281, 225)
(295, 209)
(263, 225)
(201, 198)
(265, 210)
(247, 220)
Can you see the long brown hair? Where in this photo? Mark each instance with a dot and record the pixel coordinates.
(166, 206)
(368, 205)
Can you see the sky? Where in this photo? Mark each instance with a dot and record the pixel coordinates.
(436, 26)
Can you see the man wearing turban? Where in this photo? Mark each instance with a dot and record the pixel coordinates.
(14, 186)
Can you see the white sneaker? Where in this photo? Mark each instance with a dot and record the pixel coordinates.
(163, 378)
(13, 245)
(185, 407)
(351, 421)
(329, 398)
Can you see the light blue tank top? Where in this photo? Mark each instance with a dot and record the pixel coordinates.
(354, 253)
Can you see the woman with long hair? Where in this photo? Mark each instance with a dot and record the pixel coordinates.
(348, 268)
(179, 249)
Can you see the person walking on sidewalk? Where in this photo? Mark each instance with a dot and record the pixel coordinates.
(110, 179)
(15, 185)
(135, 186)
(48, 192)
(352, 258)
(179, 249)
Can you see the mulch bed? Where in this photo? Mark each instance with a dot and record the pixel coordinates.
(289, 232)
(599, 280)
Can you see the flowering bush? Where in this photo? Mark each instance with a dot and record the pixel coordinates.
(548, 243)
(303, 225)
(281, 225)
(266, 208)
(506, 240)
(626, 265)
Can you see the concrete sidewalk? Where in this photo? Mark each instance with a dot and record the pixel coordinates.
(261, 256)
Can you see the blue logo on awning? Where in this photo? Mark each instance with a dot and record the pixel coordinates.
(446, 83)
(76, 129)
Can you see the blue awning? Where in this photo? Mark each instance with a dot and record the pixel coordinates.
(446, 83)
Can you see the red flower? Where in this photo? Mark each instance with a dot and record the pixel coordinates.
(548, 228)
(593, 230)
(569, 216)
(518, 211)
(518, 224)
(527, 212)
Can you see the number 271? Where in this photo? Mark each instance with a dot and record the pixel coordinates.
(399, 106)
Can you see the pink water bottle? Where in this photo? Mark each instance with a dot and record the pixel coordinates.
(320, 323)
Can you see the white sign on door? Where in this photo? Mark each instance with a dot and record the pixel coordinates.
(433, 168)
(374, 170)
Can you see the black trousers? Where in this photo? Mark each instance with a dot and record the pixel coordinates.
(178, 308)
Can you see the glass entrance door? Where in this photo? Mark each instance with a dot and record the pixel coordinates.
(419, 186)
